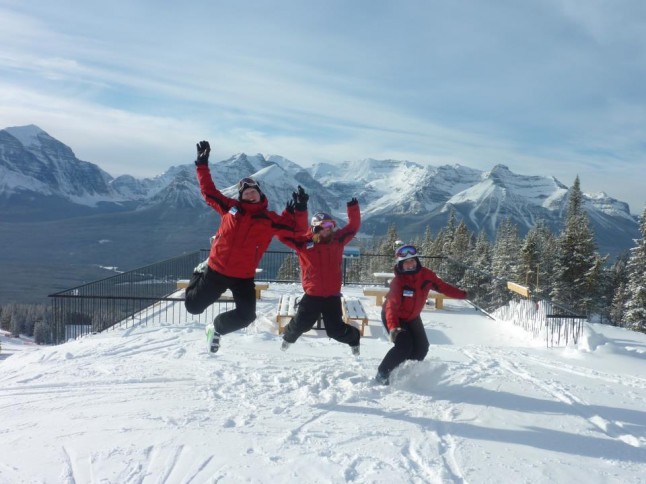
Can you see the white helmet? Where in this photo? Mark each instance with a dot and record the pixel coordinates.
(405, 252)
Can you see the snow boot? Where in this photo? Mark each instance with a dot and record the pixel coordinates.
(285, 345)
(355, 350)
(212, 339)
(382, 379)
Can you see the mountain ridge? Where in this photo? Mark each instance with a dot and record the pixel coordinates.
(41, 180)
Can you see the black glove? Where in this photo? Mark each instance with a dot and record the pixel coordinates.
(203, 151)
(290, 206)
(394, 333)
(353, 201)
(300, 199)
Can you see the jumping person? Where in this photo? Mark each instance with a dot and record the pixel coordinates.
(245, 232)
(320, 255)
(402, 308)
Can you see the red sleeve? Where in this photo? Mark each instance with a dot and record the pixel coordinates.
(302, 222)
(293, 241)
(214, 198)
(432, 282)
(347, 233)
(392, 304)
(283, 225)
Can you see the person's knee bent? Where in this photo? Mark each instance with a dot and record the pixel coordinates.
(246, 315)
(420, 352)
(192, 306)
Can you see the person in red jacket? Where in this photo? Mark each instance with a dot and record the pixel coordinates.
(320, 255)
(402, 308)
(245, 232)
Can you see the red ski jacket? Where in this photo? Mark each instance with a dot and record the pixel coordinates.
(408, 293)
(245, 231)
(321, 263)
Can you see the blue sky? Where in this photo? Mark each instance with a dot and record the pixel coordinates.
(545, 87)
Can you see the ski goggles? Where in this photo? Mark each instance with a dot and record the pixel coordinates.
(327, 224)
(406, 252)
(247, 183)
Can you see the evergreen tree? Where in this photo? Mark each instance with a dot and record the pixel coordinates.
(576, 256)
(592, 298)
(635, 307)
(426, 245)
(289, 270)
(461, 243)
(505, 262)
(388, 243)
(5, 318)
(530, 259)
(386, 249)
(477, 278)
(41, 333)
(619, 302)
(442, 244)
(458, 249)
(616, 290)
(18, 319)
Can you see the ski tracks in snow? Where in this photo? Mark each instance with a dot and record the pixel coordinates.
(313, 410)
(543, 375)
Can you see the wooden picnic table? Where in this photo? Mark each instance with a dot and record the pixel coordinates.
(384, 276)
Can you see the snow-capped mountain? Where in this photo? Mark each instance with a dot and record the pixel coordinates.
(33, 161)
(36, 168)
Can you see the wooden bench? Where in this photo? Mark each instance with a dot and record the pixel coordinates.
(261, 286)
(353, 311)
(286, 310)
(183, 284)
(378, 292)
(438, 299)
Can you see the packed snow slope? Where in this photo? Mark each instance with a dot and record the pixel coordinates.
(148, 404)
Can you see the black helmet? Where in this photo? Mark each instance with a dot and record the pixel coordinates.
(322, 219)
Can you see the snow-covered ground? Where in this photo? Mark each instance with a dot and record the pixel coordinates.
(148, 404)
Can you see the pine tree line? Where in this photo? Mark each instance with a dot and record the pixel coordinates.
(25, 319)
(566, 268)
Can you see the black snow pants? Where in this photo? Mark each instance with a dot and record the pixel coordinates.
(207, 287)
(309, 309)
(411, 344)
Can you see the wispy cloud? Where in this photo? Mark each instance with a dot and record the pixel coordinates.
(552, 88)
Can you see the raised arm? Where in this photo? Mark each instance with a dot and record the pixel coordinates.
(219, 202)
(347, 233)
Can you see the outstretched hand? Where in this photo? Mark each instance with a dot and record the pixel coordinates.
(300, 198)
(353, 201)
(203, 151)
(290, 206)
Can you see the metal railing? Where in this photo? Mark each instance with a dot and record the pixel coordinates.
(150, 295)
(100, 305)
(543, 319)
